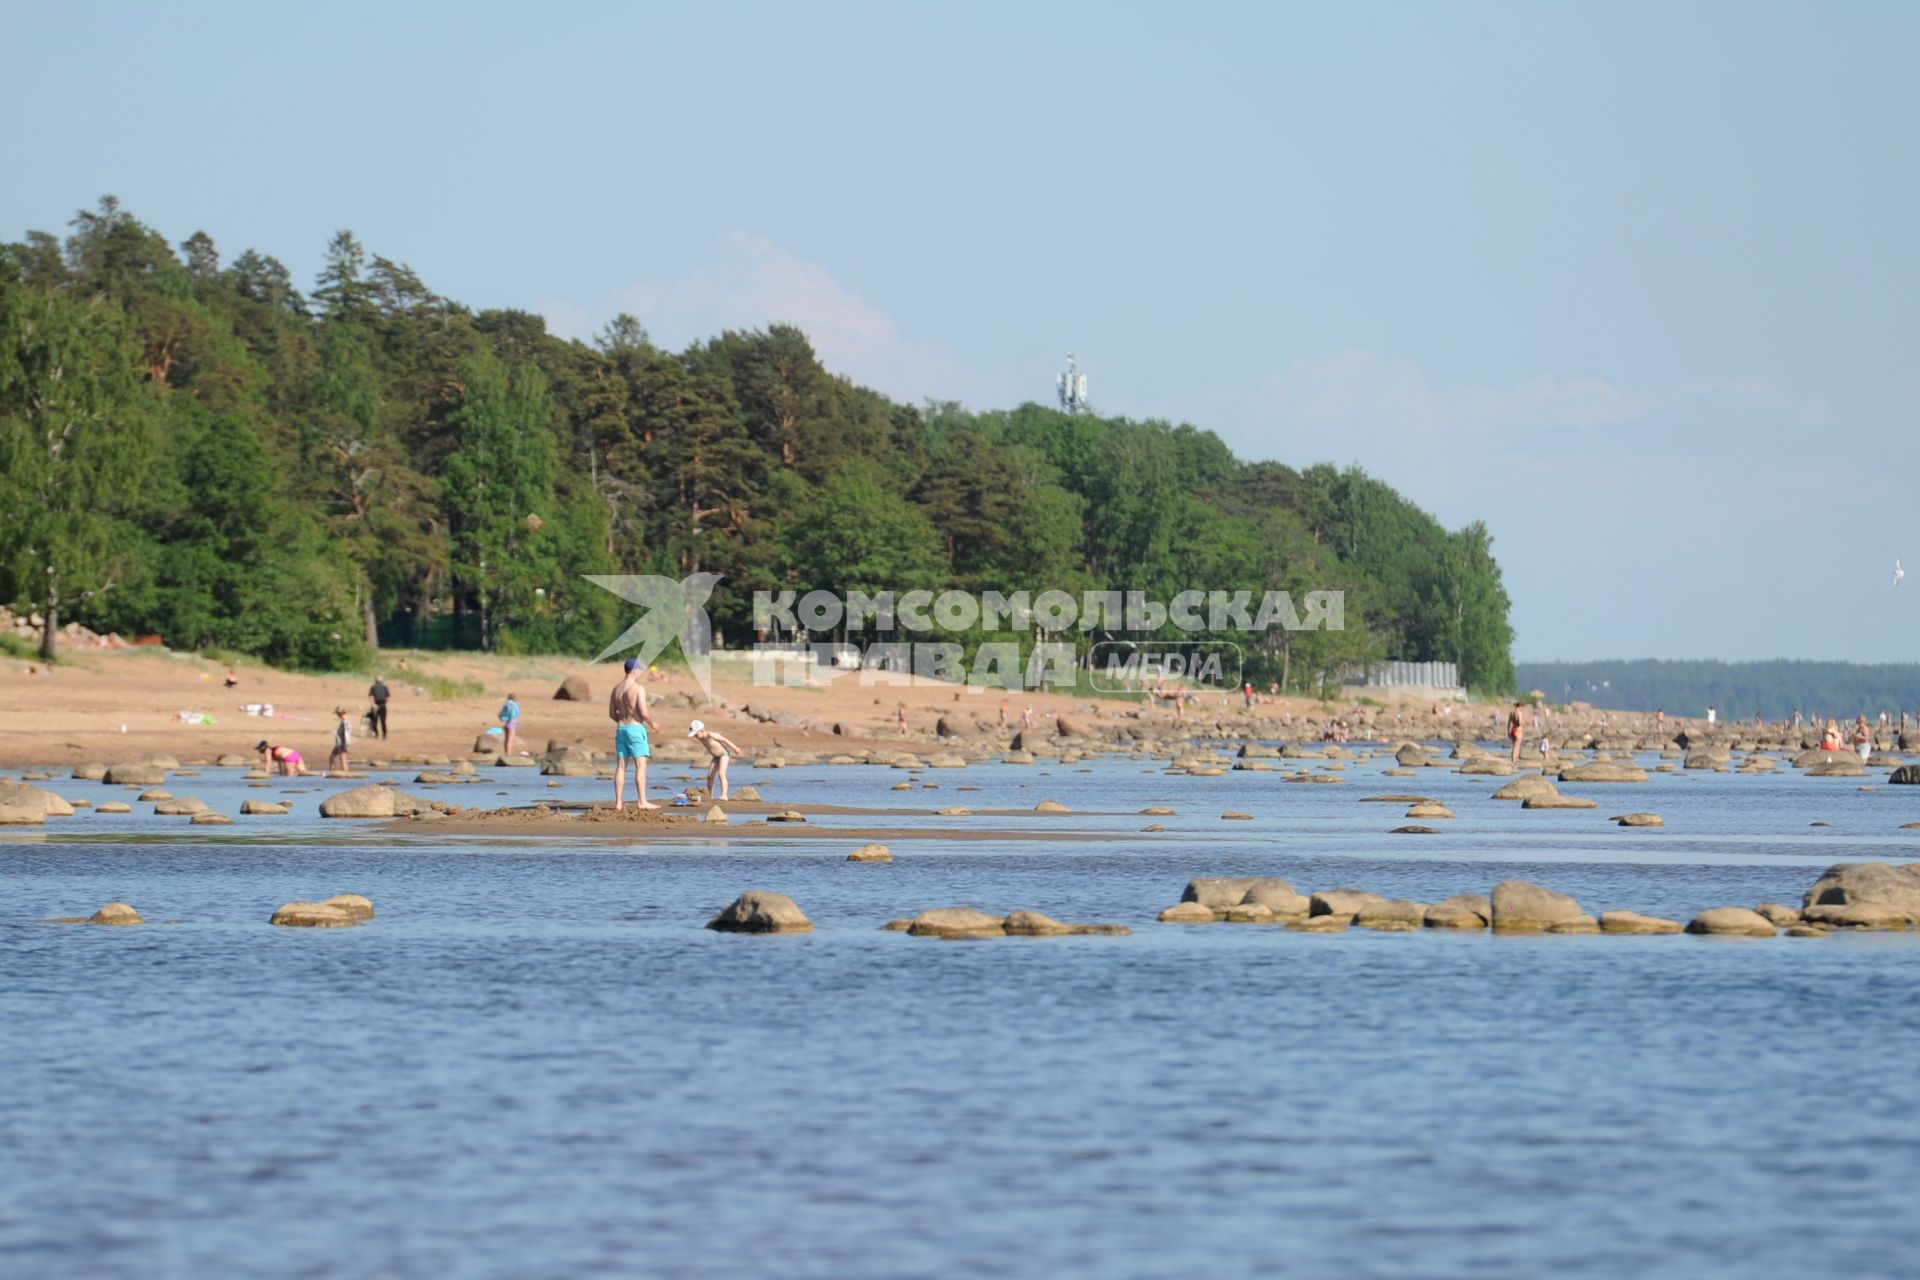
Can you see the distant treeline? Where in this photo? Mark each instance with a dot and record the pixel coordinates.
(196, 448)
(1736, 689)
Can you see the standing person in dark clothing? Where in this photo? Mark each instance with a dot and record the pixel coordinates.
(379, 695)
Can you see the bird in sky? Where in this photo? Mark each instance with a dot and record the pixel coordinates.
(1898, 573)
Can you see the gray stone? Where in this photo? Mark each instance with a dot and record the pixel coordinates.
(1520, 906)
(759, 911)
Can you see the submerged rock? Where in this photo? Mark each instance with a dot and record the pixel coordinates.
(1634, 922)
(1031, 924)
(1187, 913)
(956, 922)
(311, 915)
(115, 913)
(871, 853)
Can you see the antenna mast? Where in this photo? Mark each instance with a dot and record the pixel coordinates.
(1073, 388)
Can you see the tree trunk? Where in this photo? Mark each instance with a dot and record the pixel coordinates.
(50, 616)
(373, 626)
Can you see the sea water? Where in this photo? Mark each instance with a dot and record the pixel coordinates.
(535, 1061)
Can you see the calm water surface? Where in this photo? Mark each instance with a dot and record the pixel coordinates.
(535, 1062)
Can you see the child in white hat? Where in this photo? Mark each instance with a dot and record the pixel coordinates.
(719, 750)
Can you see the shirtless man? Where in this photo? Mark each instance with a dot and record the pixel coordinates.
(1516, 720)
(720, 749)
(627, 708)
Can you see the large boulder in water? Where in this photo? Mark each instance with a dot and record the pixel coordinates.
(135, 773)
(759, 911)
(1841, 764)
(115, 913)
(371, 801)
(573, 689)
(1411, 755)
(570, 761)
(1874, 884)
(20, 809)
(1520, 906)
(28, 795)
(1906, 773)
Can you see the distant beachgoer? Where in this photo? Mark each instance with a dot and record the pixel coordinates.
(900, 718)
(379, 693)
(1246, 694)
(1516, 721)
(627, 708)
(1862, 737)
(232, 680)
(1659, 719)
(509, 723)
(1713, 715)
(1830, 740)
(342, 740)
(286, 758)
(1546, 748)
(1026, 718)
(1003, 713)
(719, 750)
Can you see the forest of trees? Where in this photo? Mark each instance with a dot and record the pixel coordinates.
(1737, 690)
(198, 449)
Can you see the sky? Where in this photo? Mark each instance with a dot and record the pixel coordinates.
(1634, 284)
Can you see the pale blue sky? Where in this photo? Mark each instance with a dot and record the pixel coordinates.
(1635, 284)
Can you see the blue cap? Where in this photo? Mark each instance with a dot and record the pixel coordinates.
(632, 663)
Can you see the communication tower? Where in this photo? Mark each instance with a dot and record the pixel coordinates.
(1073, 388)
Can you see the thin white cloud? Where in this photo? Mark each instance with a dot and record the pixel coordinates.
(752, 283)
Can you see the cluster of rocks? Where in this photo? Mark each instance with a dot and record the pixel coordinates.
(762, 911)
(26, 628)
(1872, 895)
(966, 922)
(338, 912)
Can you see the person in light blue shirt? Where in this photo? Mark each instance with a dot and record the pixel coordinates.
(509, 722)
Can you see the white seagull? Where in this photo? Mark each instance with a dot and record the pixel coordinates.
(1898, 573)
